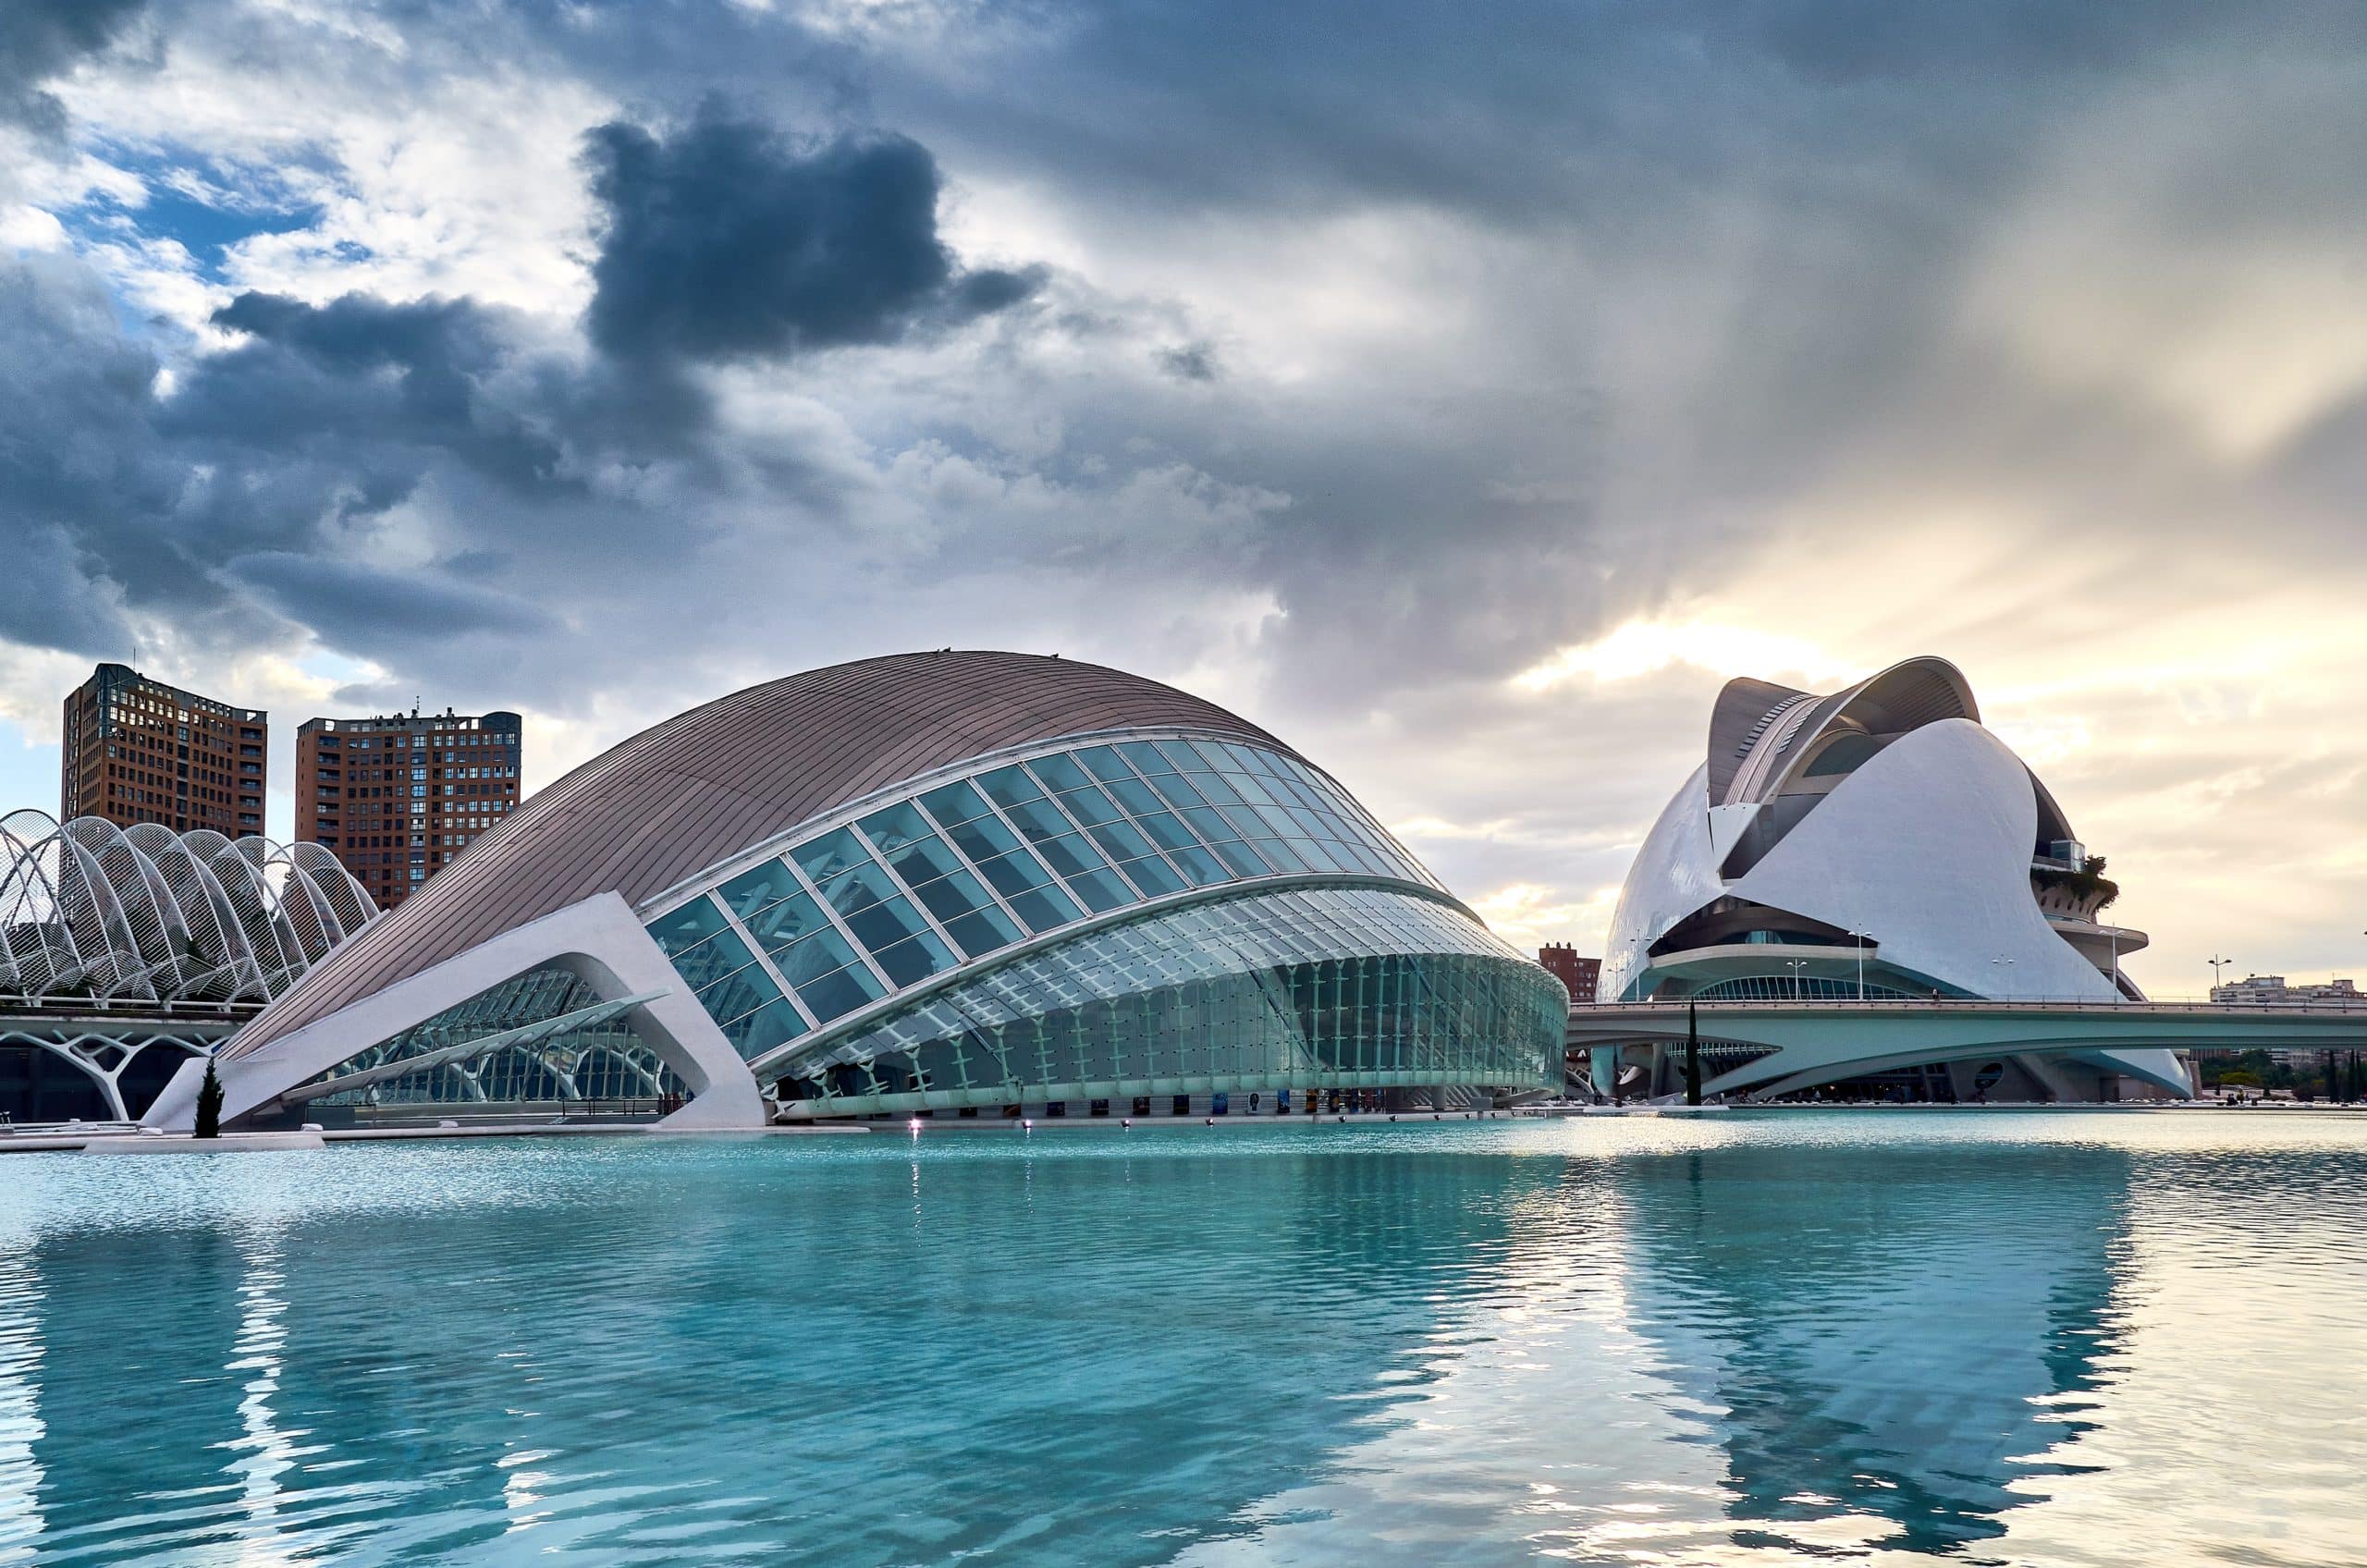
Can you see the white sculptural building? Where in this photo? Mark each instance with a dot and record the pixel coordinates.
(1877, 843)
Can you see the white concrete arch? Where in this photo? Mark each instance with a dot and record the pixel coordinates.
(599, 939)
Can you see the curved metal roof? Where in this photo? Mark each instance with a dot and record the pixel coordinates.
(1759, 731)
(704, 784)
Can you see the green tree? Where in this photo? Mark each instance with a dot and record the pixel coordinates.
(209, 1104)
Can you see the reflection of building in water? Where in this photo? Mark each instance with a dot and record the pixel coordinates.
(1928, 1351)
(1107, 1356)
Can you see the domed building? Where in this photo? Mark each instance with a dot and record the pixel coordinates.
(950, 884)
(1869, 844)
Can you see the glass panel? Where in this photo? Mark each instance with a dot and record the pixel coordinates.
(910, 962)
(1286, 858)
(784, 923)
(885, 925)
(713, 959)
(772, 1024)
(1040, 820)
(1145, 756)
(858, 887)
(1014, 873)
(830, 854)
(1166, 831)
(1105, 764)
(1006, 786)
(953, 803)
(1070, 855)
(1308, 824)
(687, 926)
(1179, 754)
(1267, 763)
(1044, 908)
(983, 932)
(983, 839)
(1101, 890)
(1212, 829)
(1215, 788)
(735, 996)
(894, 826)
(838, 994)
(753, 889)
(818, 954)
(1089, 805)
(1059, 772)
(1213, 756)
(1242, 859)
(1136, 796)
(1178, 790)
(1252, 788)
(925, 860)
(1277, 823)
(951, 897)
(1152, 875)
(1246, 823)
(1120, 841)
(1200, 866)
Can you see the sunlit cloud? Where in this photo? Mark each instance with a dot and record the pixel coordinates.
(1647, 647)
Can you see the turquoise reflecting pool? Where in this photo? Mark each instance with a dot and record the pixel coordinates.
(2044, 1338)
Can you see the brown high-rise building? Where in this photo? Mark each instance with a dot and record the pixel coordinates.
(140, 751)
(396, 798)
(1578, 974)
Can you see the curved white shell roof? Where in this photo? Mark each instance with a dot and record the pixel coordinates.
(1885, 809)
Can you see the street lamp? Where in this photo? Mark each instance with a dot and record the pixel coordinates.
(1861, 938)
(2216, 965)
(2006, 974)
(1796, 965)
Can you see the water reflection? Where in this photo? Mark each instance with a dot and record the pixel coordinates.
(1883, 1337)
(1870, 1337)
(21, 1426)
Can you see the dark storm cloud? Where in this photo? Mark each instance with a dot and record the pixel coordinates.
(361, 371)
(43, 40)
(315, 592)
(725, 242)
(268, 455)
(1195, 361)
(233, 497)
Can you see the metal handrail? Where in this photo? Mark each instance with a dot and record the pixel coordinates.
(2084, 1004)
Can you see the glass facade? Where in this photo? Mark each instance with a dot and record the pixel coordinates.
(1339, 988)
(974, 864)
(1786, 989)
(605, 1062)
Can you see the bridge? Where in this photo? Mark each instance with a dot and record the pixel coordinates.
(101, 1059)
(1761, 1049)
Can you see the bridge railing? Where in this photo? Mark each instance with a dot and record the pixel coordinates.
(2082, 1004)
(125, 1007)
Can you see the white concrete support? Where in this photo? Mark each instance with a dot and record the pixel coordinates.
(599, 939)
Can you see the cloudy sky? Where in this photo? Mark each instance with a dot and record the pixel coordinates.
(1465, 393)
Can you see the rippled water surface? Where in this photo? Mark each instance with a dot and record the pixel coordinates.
(2045, 1337)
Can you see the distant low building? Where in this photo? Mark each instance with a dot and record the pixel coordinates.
(1577, 974)
(2271, 989)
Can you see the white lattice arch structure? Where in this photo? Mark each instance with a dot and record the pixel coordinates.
(90, 909)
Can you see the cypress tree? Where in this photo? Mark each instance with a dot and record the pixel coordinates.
(209, 1104)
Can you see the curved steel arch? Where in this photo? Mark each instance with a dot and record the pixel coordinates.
(87, 907)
